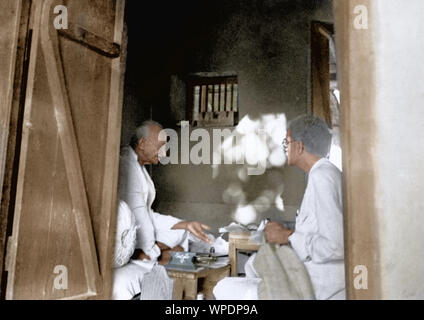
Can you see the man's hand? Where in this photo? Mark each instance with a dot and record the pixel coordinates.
(277, 233)
(195, 228)
(139, 255)
(165, 256)
(162, 246)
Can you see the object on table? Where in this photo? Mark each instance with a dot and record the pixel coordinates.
(192, 261)
(219, 244)
(182, 261)
(238, 227)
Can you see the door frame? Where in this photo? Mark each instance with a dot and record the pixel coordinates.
(12, 108)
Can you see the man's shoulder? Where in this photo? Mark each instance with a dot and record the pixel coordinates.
(126, 152)
(329, 167)
(127, 161)
(126, 156)
(326, 172)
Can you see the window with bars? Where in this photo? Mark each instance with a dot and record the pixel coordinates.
(212, 100)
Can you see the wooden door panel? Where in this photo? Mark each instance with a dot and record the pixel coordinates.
(87, 84)
(66, 198)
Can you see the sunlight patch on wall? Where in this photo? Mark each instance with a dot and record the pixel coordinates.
(253, 142)
(245, 214)
(336, 156)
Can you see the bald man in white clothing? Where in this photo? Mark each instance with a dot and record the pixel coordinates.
(157, 235)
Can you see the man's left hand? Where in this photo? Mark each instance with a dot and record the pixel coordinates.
(277, 233)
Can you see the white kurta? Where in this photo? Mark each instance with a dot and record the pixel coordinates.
(136, 188)
(318, 237)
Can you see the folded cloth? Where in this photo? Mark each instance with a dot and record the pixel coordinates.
(157, 285)
(284, 276)
(125, 237)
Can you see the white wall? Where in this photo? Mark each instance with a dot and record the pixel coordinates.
(399, 107)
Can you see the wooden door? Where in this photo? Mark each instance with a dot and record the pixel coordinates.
(64, 220)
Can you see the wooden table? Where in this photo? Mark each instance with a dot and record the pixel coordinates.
(239, 241)
(187, 284)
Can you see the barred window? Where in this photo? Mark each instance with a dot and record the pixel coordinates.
(212, 100)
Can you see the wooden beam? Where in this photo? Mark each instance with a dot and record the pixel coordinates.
(358, 123)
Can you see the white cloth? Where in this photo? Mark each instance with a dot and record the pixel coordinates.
(136, 188)
(283, 275)
(125, 237)
(249, 269)
(318, 237)
(127, 279)
(231, 288)
(157, 285)
(239, 288)
(220, 245)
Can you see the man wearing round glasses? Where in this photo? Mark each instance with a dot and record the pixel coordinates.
(318, 236)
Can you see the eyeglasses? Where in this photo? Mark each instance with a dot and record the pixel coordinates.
(286, 144)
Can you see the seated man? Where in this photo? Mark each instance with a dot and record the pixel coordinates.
(157, 235)
(318, 236)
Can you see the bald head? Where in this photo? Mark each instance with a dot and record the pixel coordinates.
(147, 142)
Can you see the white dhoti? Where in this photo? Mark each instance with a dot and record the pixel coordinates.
(239, 288)
(127, 279)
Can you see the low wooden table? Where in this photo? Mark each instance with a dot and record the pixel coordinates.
(239, 241)
(186, 283)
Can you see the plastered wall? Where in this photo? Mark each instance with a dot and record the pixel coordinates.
(399, 146)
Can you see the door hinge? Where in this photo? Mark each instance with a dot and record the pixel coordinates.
(90, 40)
